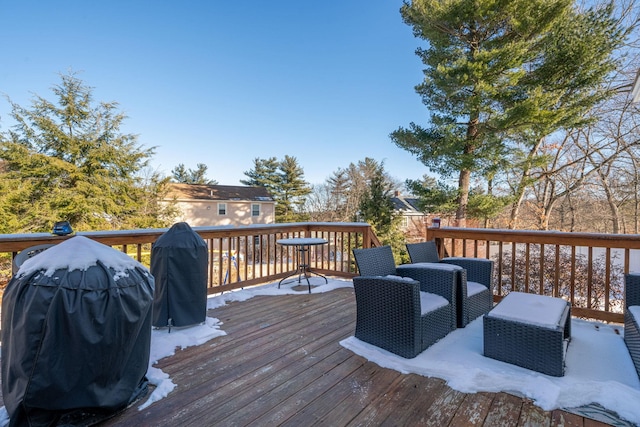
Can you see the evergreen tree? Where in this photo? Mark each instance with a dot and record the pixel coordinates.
(338, 186)
(292, 192)
(264, 174)
(189, 176)
(68, 161)
(376, 208)
(440, 197)
(285, 182)
(348, 185)
(503, 73)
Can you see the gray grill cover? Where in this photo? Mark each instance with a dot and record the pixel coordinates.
(179, 260)
(75, 337)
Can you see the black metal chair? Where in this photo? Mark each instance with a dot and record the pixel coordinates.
(474, 299)
(400, 314)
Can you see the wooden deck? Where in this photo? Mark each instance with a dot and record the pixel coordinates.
(281, 364)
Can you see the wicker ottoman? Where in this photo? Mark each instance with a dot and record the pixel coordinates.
(529, 330)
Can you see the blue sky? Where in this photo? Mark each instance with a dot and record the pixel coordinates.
(223, 82)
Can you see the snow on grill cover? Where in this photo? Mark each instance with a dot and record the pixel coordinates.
(179, 260)
(76, 333)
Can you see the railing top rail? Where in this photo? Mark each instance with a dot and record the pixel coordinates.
(18, 242)
(624, 241)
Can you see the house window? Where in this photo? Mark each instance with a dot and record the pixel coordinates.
(255, 209)
(222, 208)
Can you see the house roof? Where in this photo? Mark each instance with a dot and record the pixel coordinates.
(406, 204)
(219, 192)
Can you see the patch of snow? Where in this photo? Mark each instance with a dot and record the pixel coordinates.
(86, 253)
(533, 309)
(599, 369)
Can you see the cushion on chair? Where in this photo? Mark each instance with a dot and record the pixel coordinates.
(474, 288)
(395, 277)
(430, 302)
(437, 266)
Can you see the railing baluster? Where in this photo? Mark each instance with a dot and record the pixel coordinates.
(556, 273)
(210, 277)
(627, 260)
(607, 279)
(220, 261)
(526, 267)
(589, 276)
(349, 252)
(541, 281)
(573, 275)
(500, 265)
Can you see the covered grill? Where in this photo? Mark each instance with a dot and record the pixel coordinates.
(179, 260)
(76, 333)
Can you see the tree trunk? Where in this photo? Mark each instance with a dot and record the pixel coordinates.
(613, 207)
(463, 199)
(515, 211)
(523, 184)
(464, 181)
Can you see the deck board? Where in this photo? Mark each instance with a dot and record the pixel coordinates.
(505, 410)
(341, 402)
(281, 364)
(473, 410)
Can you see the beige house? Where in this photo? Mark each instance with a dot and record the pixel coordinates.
(211, 205)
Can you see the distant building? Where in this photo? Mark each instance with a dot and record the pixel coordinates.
(211, 205)
(414, 221)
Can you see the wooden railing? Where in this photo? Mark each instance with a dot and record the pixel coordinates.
(238, 256)
(584, 268)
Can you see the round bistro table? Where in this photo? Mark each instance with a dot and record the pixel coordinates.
(302, 245)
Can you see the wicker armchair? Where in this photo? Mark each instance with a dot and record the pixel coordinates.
(474, 299)
(401, 314)
(631, 321)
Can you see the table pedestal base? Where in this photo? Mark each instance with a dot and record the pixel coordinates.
(303, 267)
(303, 271)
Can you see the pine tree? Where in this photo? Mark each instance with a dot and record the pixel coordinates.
(502, 73)
(348, 185)
(285, 182)
(264, 174)
(189, 176)
(376, 208)
(293, 190)
(68, 161)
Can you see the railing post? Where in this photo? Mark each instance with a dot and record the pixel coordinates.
(438, 240)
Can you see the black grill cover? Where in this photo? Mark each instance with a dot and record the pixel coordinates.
(76, 332)
(179, 260)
